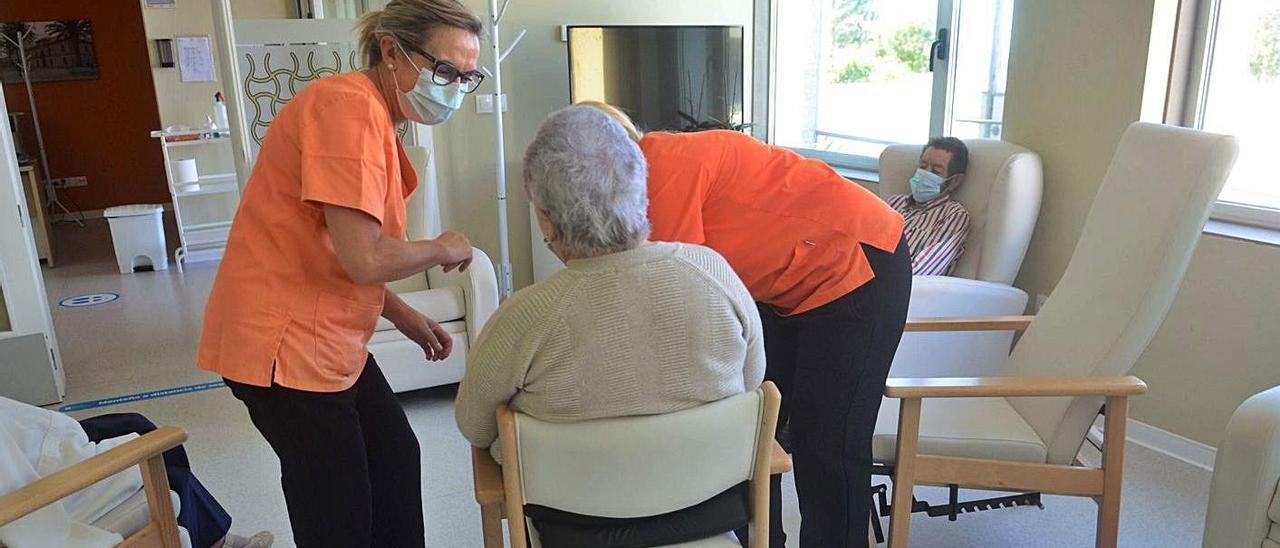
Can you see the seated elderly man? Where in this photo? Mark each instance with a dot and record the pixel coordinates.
(630, 327)
(935, 225)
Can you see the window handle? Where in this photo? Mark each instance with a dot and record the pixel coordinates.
(938, 49)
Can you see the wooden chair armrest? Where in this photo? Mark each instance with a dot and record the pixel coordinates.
(779, 461)
(488, 477)
(984, 387)
(976, 323)
(60, 484)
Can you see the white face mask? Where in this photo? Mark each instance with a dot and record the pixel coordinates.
(428, 103)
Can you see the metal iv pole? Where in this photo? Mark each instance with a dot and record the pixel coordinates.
(504, 258)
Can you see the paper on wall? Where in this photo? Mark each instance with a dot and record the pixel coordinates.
(195, 58)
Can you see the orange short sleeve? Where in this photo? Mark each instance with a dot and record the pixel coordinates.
(343, 157)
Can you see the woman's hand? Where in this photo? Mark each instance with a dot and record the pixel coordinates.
(436, 343)
(455, 251)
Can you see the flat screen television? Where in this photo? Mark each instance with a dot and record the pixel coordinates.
(669, 78)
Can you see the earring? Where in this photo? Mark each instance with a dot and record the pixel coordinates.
(390, 66)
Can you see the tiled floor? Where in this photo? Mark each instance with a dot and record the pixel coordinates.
(146, 341)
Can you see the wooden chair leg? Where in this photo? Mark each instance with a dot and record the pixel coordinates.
(491, 525)
(155, 481)
(1112, 471)
(903, 472)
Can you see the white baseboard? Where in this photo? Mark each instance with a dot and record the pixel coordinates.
(1162, 441)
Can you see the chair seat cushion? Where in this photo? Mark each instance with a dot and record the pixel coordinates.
(981, 428)
(443, 304)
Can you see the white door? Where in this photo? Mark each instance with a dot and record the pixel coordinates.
(30, 366)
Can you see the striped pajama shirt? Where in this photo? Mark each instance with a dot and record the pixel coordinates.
(935, 232)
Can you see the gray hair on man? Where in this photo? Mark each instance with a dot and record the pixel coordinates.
(590, 178)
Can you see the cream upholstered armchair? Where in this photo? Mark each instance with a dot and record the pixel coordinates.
(1244, 504)
(460, 301)
(1021, 431)
(1002, 195)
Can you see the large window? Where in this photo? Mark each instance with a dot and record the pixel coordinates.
(853, 76)
(1234, 88)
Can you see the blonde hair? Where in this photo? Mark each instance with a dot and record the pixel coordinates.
(617, 115)
(411, 22)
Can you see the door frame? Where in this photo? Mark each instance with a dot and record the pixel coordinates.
(21, 279)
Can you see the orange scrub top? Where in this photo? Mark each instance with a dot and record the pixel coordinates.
(790, 226)
(282, 308)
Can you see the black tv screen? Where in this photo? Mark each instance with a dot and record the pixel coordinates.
(671, 78)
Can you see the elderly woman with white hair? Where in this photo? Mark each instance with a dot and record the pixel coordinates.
(630, 327)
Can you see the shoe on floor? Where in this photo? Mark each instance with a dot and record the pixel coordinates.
(261, 539)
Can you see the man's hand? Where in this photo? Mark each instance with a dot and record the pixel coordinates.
(456, 251)
(436, 343)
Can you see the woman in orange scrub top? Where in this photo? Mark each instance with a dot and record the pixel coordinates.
(300, 288)
(827, 264)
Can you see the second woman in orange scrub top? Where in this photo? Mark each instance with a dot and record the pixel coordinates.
(827, 264)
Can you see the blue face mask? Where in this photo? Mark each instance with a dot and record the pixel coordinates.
(926, 185)
(428, 102)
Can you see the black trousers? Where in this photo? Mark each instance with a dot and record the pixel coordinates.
(349, 462)
(201, 515)
(830, 364)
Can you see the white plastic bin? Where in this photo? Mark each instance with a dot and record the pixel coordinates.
(137, 231)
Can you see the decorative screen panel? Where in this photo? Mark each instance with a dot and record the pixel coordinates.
(273, 74)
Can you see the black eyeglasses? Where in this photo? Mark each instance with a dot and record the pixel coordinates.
(444, 73)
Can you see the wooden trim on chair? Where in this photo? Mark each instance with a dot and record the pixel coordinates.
(1103, 484)
(1008, 476)
(904, 472)
(155, 481)
(487, 476)
(1113, 435)
(976, 323)
(763, 465)
(1009, 387)
(511, 480)
(60, 484)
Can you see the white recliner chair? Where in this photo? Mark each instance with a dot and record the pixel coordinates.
(460, 301)
(1001, 192)
(1244, 504)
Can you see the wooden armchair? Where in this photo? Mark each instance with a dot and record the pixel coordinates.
(911, 468)
(146, 451)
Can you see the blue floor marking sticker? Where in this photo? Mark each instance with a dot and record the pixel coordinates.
(92, 299)
(91, 404)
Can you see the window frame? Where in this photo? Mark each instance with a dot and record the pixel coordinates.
(1195, 38)
(940, 104)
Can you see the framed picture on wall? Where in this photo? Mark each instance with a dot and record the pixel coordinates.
(55, 50)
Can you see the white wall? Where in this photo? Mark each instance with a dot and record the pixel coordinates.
(536, 79)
